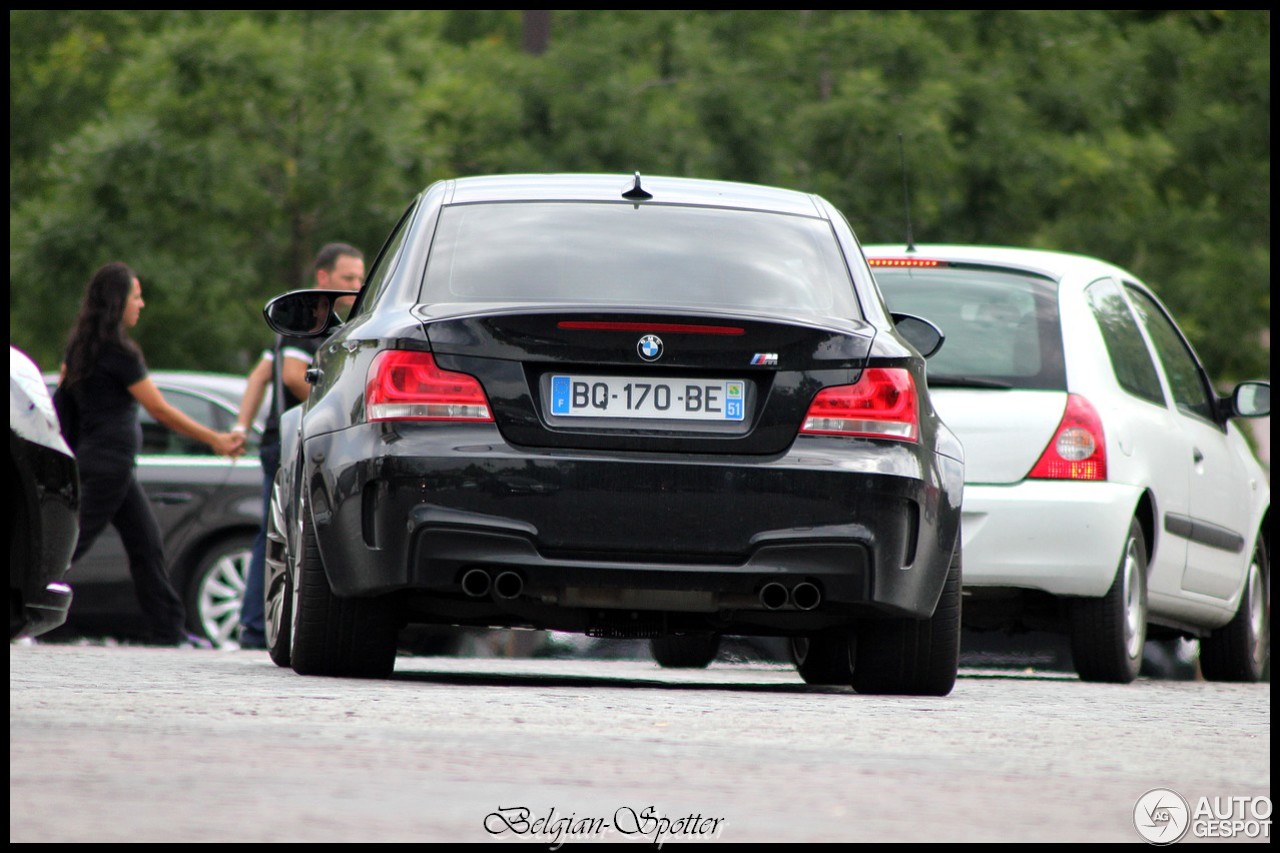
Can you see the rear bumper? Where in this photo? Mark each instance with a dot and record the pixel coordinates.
(870, 525)
(1064, 538)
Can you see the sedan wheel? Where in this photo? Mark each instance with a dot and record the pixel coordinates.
(1108, 633)
(216, 590)
(1239, 650)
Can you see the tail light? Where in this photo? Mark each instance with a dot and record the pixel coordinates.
(1078, 450)
(882, 404)
(405, 385)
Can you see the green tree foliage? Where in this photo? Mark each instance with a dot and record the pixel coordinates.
(60, 68)
(228, 148)
(215, 151)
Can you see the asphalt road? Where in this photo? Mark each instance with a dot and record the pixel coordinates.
(136, 744)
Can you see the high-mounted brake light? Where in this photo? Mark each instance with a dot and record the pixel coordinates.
(902, 262)
(664, 328)
(405, 385)
(1078, 450)
(882, 404)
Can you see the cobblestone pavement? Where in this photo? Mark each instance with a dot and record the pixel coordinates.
(130, 744)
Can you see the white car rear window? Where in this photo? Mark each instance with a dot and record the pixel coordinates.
(1001, 327)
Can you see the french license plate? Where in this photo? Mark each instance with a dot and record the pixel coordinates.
(655, 399)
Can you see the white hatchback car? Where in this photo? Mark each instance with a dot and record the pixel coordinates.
(1107, 492)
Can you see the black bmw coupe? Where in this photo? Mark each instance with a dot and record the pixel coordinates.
(623, 406)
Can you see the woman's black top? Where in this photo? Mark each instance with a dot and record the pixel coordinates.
(108, 412)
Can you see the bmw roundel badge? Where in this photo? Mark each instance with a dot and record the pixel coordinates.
(650, 348)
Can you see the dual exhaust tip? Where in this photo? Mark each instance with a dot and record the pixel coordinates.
(478, 583)
(507, 585)
(803, 596)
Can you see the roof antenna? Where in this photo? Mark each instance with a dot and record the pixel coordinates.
(906, 198)
(637, 193)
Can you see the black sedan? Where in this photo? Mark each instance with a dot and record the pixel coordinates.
(627, 408)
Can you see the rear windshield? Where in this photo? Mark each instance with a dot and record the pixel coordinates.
(638, 255)
(1002, 327)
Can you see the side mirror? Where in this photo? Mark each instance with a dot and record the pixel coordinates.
(920, 333)
(1251, 400)
(303, 313)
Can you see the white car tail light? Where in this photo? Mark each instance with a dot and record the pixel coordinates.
(406, 385)
(1078, 450)
(882, 404)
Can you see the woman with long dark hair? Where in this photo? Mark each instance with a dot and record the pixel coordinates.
(106, 378)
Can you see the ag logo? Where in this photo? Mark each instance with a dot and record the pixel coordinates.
(650, 348)
(1161, 816)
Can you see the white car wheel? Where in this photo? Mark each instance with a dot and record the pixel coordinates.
(1239, 650)
(1108, 633)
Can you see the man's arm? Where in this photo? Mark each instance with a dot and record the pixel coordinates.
(294, 375)
(254, 393)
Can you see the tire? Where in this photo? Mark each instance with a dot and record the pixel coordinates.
(215, 590)
(825, 659)
(351, 637)
(1108, 633)
(277, 585)
(685, 651)
(913, 657)
(1239, 650)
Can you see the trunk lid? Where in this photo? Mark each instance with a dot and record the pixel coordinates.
(647, 380)
(1003, 431)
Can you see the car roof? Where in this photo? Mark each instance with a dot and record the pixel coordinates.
(1060, 266)
(225, 386)
(601, 188)
(225, 389)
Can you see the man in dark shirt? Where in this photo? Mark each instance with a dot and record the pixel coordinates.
(338, 266)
